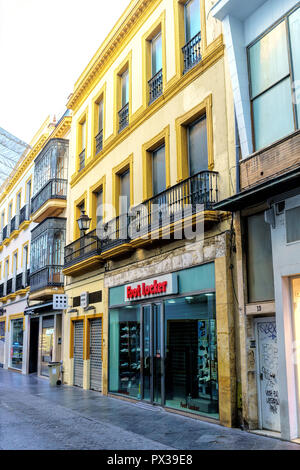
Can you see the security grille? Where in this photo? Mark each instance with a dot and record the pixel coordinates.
(78, 353)
(96, 354)
(48, 322)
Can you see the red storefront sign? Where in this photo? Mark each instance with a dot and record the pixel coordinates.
(161, 285)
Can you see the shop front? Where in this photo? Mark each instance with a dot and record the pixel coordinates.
(163, 341)
(45, 337)
(16, 349)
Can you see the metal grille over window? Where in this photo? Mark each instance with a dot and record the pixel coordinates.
(78, 353)
(82, 160)
(96, 354)
(192, 52)
(155, 86)
(99, 141)
(124, 117)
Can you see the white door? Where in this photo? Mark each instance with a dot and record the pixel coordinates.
(267, 371)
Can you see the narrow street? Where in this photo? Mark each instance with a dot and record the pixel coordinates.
(35, 416)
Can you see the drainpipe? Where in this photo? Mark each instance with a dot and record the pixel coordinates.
(237, 154)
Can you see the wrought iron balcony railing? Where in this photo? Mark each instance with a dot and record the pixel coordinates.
(82, 160)
(48, 276)
(13, 224)
(192, 195)
(24, 213)
(9, 286)
(54, 189)
(99, 141)
(155, 86)
(84, 247)
(196, 193)
(4, 233)
(124, 117)
(115, 232)
(191, 52)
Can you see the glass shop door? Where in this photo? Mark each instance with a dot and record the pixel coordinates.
(152, 354)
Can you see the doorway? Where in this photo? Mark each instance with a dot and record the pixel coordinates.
(152, 354)
(34, 345)
(78, 353)
(267, 374)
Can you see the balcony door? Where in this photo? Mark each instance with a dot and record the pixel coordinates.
(198, 161)
(192, 19)
(152, 360)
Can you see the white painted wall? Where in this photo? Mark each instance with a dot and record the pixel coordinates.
(238, 34)
(286, 263)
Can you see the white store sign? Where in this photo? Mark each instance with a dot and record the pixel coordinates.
(154, 287)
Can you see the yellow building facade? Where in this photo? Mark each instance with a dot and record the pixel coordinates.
(153, 122)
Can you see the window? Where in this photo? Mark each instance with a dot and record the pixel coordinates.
(156, 80)
(292, 224)
(158, 170)
(9, 213)
(192, 50)
(18, 205)
(99, 136)
(99, 208)
(124, 192)
(156, 54)
(25, 264)
(6, 269)
(15, 264)
(271, 73)
(197, 146)
(124, 111)
(125, 88)
(82, 145)
(259, 259)
(28, 191)
(192, 19)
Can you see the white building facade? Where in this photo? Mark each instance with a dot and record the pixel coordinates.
(262, 40)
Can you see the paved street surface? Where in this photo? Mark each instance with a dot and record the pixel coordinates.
(35, 416)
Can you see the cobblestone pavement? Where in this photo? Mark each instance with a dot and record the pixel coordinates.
(35, 416)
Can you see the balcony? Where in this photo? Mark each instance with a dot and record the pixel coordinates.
(123, 117)
(155, 86)
(24, 214)
(82, 160)
(276, 159)
(50, 201)
(192, 52)
(158, 218)
(84, 252)
(15, 286)
(99, 141)
(46, 255)
(49, 276)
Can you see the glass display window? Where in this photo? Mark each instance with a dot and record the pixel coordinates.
(165, 353)
(191, 367)
(17, 343)
(124, 352)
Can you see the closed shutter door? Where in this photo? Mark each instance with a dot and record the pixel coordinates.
(78, 353)
(96, 354)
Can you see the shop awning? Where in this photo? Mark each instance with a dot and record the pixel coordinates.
(262, 192)
(39, 308)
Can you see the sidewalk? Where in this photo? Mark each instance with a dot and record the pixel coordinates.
(35, 416)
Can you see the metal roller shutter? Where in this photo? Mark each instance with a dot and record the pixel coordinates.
(96, 354)
(78, 353)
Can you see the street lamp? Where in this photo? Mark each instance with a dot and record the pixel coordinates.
(84, 222)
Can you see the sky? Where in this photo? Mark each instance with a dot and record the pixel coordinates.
(44, 47)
